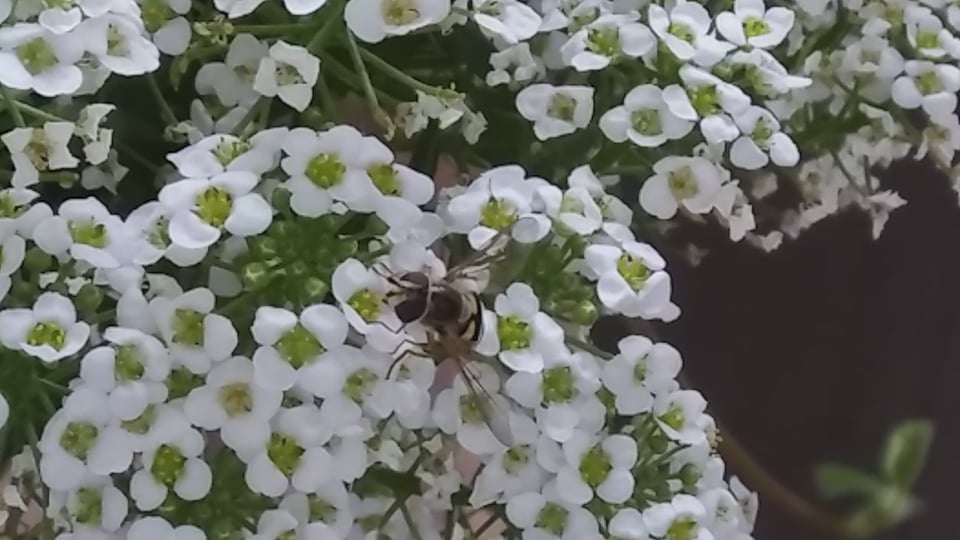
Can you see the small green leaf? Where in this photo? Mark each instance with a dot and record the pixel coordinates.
(836, 480)
(887, 509)
(906, 452)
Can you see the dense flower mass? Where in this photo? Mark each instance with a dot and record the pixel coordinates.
(326, 269)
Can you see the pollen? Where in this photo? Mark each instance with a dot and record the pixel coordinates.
(285, 453)
(513, 333)
(366, 303)
(497, 214)
(595, 466)
(128, 365)
(214, 206)
(298, 346)
(558, 385)
(47, 333)
(168, 465)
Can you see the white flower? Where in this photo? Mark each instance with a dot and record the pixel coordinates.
(685, 30)
(691, 181)
(556, 110)
(359, 387)
(461, 411)
(86, 230)
(709, 99)
(762, 141)
(412, 378)
(333, 503)
(773, 78)
(49, 331)
(361, 293)
(33, 150)
(644, 119)
(597, 466)
(32, 58)
(196, 337)
(543, 515)
(500, 198)
(751, 23)
(509, 20)
(297, 350)
(219, 153)
(232, 79)
(400, 190)
(303, 7)
(609, 37)
(627, 523)
(97, 503)
(513, 64)
(613, 209)
(76, 442)
(293, 454)
(117, 41)
(522, 334)
(12, 252)
(157, 528)
(233, 402)
(632, 280)
(97, 139)
(749, 500)
(926, 33)
(165, 21)
(512, 470)
(640, 370)
(288, 72)
(237, 8)
(734, 208)
(679, 414)
(203, 208)
(928, 85)
(318, 163)
(374, 20)
(173, 460)
(684, 511)
(132, 371)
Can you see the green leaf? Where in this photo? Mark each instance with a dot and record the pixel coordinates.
(835, 480)
(906, 452)
(887, 509)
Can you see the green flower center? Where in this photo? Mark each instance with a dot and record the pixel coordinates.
(78, 438)
(516, 458)
(38, 149)
(755, 26)
(325, 170)
(562, 107)
(682, 529)
(158, 235)
(399, 12)
(284, 452)
(47, 333)
(582, 19)
(704, 100)
(289, 535)
(88, 233)
(9, 208)
(595, 466)
(384, 178)
(168, 464)
(640, 371)
(214, 206)
(116, 41)
(558, 385)
(128, 365)
(181, 382)
(298, 346)
(514, 333)
(89, 507)
(155, 14)
(762, 133)
(36, 56)
(552, 518)
(646, 122)
(358, 384)
(928, 83)
(756, 81)
(673, 417)
(928, 40)
(366, 303)
(287, 75)
(188, 327)
(226, 151)
(236, 399)
(321, 510)
(604, 41)
(634, 271)
(681, 31)
(682, 183)
(142, 423)
(471, 408)
(497, 214)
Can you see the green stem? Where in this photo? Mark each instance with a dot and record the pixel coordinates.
(135, 155)
(251, 114)
(271, 29)
(12, 107)
(369, 92)
(588, 347)
(414, 531)
(165, 111)
(347, 77)
(33, 111)
(387, 69)
(335, 19)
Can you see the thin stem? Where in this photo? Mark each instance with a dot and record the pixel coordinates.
(34, 112)
(387, 69)
(414, 531)
(165, 111)
(270, 29)
(12, 107)
(135, 155)
(261, 102)
(589, 347)
(369, 92)
(334, 21)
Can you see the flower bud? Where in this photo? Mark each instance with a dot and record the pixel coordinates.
(315, 289)
(37, 260)
(89, 298)
(280, 199)
(254, 275)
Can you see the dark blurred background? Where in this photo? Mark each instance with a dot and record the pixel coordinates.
(814, 352)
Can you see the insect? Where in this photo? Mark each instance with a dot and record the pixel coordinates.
(451, 314)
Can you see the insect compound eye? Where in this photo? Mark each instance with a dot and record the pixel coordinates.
(411, 309)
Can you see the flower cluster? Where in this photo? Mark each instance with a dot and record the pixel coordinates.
(233, 306)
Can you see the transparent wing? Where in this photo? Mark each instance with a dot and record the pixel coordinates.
(494, 415)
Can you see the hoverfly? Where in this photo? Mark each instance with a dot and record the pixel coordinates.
(451, 314)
